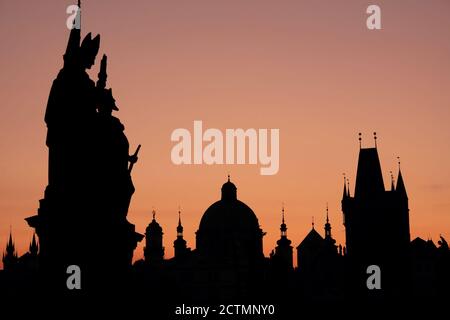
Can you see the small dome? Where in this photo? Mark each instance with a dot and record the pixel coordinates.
(229, 190)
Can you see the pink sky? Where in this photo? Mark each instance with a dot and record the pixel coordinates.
(309, 68)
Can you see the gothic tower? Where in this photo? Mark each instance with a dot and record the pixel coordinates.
(376, 220)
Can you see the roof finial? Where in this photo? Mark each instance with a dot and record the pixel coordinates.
(327, 213)
(359, 138)
(228, 177)
(375, 138)
(154, 213)
(344, 194)
(392, 181)
(348, 187)
(282, 212)
(398, 158)
(313, 222)
(179, 215)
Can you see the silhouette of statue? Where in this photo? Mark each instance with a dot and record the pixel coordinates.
(89, 183)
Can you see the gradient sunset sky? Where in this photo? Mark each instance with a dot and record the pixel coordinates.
(310, 68)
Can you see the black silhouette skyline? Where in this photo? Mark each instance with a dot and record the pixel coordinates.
(82, 220)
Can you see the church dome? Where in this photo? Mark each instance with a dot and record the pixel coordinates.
(229, 228)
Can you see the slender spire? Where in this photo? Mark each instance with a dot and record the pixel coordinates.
(359, 138)
(33, 245)
(180, 226)
(344, 194)
(392, 181)
(327, 226)
(10, 247)
(348, 187)
(153, 213)
(283, 227)
(312, 222)
(401, 189)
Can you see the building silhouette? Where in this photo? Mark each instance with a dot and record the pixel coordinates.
(180, 245)
(154, 250)
(86, 203)
(377, 224)
(10, 258)
(282, 256)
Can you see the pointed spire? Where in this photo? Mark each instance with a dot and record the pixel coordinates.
(180, 226)
(33, 245)
(348, 187)
(9, 256)
(401, 189)
(10, 241)
(154, 214)
(344, 194)
(10, 247)
(327, 226)
(283, 227)
(359, 138)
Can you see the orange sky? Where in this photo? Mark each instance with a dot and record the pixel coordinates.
(309, 68)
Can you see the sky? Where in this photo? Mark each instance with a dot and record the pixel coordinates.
(311, 69)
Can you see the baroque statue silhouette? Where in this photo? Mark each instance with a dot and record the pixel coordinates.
(89, 186)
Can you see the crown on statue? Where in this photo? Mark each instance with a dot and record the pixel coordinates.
(90, 46)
